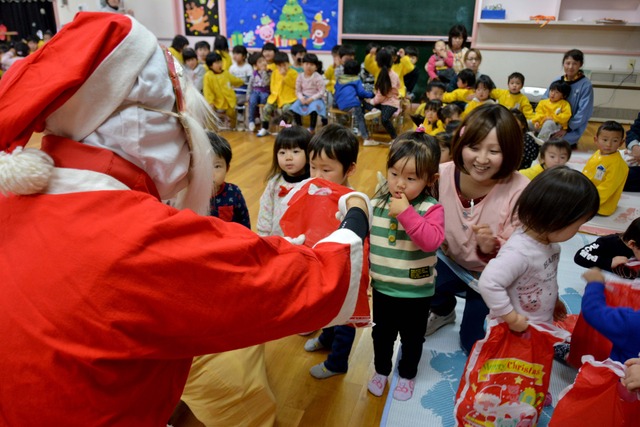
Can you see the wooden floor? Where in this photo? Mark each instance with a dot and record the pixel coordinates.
(302, 400)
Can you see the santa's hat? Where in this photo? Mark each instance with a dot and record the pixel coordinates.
(102, 80)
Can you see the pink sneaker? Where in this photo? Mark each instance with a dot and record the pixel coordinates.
(404, 389)
(377, 384)
(548, 400)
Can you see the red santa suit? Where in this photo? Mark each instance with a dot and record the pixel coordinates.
(108, 293)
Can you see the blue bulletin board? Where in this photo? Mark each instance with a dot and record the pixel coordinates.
(312, 23)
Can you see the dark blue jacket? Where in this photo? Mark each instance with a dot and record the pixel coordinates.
(349, 91)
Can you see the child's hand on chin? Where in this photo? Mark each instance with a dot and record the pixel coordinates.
(398, 204)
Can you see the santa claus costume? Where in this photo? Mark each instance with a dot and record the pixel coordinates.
(106, 292)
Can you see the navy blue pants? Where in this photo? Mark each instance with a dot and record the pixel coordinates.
(448, 285)
(340, 340)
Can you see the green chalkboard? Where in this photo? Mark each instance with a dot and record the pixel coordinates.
(406, 17)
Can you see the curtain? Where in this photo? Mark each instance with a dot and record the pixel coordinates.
(27, 17)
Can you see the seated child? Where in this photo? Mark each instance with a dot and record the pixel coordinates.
(289, 166)
(346, 52)
(298, 52)
(310, 92)
(193, 68)
(531, 149)
(450, 113)
(613, 252)
(512, 97)
(435, 90)
(439, 66)
(283, 91)
(269, 51)
(258, 88)
(332, 154)
(368, 79)
(606, 168)
(620, 325)
(330, 74)
(553, 114)
(411, 78)
(464, 93)
(218, 91)
(242, 70)
(386, 98)
(226, 202)
(444, 141)
(483, 87)
(432, 118)
(349, 94)
(554, 152)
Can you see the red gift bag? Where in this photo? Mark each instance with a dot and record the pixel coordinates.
(597, 398)
(312, 210)
(585, 340)
(507, 376)
(312, 207)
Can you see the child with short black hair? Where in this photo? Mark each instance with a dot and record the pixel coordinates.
(193, 68)
(226, 202)
(407, 229)
(466, 82)
(450, 113)
(297, 53)
(218, 91)
(444, 141)
(178, 43)
(289, 166)
(554, 152)
(350, 93)
(531, 149)
(310, 92)
(221, 47)
(202, 49)
(483, 87)
(512, 97)
(606, 168)
(333, 153)
(346, 52)
(411, 78)
(283, 91)
(553, 114)
(520, 283)
(432, 118)
(269, 51)
(435, 90)
(258, 88)
(242, 70)
(330, 74)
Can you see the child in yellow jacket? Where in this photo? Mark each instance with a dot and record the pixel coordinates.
(606, 168)
(484, 86)
(512, 97)
(466, 83)
(553, 114)
(402, 65)
(283, 90)
(217, 87)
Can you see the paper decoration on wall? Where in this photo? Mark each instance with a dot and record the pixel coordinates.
(201, 17)
(312, 23)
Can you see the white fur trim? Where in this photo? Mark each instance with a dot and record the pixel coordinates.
(65, 180)
(346, 236)
(104, 90)
(24, 171)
